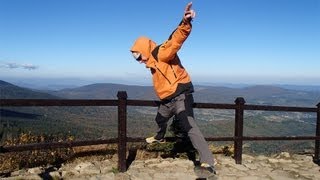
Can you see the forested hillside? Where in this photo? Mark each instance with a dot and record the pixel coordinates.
(10, 91)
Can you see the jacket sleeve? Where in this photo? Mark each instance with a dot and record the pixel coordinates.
(169, 48)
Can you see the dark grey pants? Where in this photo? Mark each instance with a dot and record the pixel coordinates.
(181, 107)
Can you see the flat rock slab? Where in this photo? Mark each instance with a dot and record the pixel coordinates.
(282, 166)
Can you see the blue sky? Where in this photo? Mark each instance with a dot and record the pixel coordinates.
(232, 41)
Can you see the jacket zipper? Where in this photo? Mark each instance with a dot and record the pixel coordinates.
(174, 73)
(163, 75)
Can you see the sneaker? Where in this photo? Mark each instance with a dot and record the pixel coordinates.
(208, 168)
(154, 140)
(205, 171)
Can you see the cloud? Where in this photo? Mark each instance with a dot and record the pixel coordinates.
(12, 65)
(29, 66)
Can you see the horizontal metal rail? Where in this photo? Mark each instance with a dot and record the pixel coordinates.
(279, 108)
(85, 102)
(57, 102)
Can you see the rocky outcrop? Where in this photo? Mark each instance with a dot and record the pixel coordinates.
(282, 166)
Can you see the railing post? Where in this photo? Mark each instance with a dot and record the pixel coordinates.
(317, 142)
(122, 130)
(238, 129)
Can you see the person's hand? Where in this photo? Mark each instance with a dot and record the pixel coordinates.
(189, 13)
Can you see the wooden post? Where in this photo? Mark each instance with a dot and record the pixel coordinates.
(238, 129)
(122, 130)
(317, 142)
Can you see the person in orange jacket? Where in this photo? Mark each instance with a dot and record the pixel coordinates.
(173, 86)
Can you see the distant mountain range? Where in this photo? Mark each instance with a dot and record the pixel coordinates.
(55, 84)
(10, 91)
(259, 94)
(106, 91)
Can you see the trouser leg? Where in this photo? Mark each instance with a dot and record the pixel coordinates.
(162, 125)
(185, 115)
(199, 143)
(163, 115)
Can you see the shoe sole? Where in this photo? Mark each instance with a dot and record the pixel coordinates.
(203, 173)
(155, 142)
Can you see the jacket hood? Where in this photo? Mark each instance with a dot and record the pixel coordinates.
(143, 45)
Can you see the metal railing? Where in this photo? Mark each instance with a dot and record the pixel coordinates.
(122, 102)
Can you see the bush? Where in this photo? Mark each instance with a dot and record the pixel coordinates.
(27, 159)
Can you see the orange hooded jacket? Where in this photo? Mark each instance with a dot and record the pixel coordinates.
(169, 76)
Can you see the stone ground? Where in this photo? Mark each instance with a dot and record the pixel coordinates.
(278, 167)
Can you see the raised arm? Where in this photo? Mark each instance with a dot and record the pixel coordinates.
(169, 48)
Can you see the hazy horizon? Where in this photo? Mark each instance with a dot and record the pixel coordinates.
(62, 83)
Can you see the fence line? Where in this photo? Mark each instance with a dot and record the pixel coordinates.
(122, 139)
